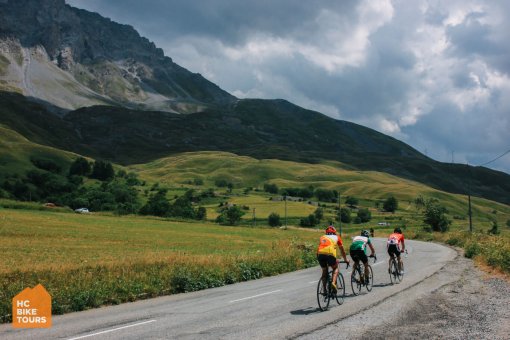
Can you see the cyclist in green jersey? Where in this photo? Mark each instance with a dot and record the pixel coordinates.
(359, 247)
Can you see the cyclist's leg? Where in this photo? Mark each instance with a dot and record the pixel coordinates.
(364, 259)
(334, 266)
(324, 265)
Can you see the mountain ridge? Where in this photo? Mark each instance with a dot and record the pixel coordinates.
(102, 61)
(80, 82)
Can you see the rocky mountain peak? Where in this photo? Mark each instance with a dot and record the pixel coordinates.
(110, 59)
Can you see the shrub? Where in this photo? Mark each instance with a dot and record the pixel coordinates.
(230, 216)
(390, 204)
(271, 188)
(435, 216)
(274, 220)
(364, 215)
(102, 171)
(472, 250)
(345, 215)
(351, 201)
(80, 167)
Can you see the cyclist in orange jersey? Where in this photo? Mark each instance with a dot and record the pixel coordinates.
(396, 246)
(327, 254)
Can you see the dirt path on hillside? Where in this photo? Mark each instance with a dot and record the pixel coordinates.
(468, 305)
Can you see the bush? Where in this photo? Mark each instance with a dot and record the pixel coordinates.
(364, 215)
(271, 188)
(230, 216)
(351, 201)
(80, 167)
(345, 215)
(435, 216)
(472, 249)
(390, 204)
(274, 220)
(508, 223)
(325, 195)
(102, 171)
(46, 164)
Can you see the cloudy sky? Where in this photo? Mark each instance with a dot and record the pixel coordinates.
(434, 74)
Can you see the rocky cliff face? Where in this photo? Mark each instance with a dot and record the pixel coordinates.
(108, 62)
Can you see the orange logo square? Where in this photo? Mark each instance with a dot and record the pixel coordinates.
(32, 308)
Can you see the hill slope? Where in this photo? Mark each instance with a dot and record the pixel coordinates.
(264, 129)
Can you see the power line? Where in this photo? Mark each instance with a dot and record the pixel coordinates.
(495, 159)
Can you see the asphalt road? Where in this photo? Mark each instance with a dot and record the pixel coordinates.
(283, 306)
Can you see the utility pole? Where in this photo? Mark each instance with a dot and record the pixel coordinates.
(339, 214)
(470, 221)
(285, 199)
(469, 200)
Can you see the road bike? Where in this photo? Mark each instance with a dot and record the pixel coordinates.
(358, 279)
(396, 275)
(325, 292)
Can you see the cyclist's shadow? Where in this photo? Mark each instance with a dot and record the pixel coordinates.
(306, 311)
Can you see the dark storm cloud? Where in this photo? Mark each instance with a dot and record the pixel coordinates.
(433, 74)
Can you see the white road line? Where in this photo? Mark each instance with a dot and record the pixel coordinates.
(112, 330)
(254, 296)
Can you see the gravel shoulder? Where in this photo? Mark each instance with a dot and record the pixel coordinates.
(458, 302)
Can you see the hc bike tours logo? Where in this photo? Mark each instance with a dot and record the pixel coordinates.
(32, 308)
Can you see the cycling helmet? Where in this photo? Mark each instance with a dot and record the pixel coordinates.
(397, 230)
(365, 233)
(330, 230)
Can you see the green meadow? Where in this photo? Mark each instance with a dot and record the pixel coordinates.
(89, 260)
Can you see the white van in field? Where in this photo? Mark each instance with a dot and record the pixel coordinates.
(82, 211)
(383, 224)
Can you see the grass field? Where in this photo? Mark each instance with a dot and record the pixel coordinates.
(86, 261)
(90, 260)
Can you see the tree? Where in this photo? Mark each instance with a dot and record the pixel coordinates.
(319, 214)
(508, 223)
(495, 228)
(201, 214)
(345, 215)
(351, 201)
(364, 215)
(102, 171)
(157, 204)
(274, 220)
(230, 216)
(80, 167)
(271, 188)
(325, 195)
(435, 216)
(390, 204)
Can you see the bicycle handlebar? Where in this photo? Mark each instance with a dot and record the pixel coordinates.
(375, 258)
(348, 263)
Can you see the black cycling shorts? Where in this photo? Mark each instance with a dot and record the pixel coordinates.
(325, 260)
(393, 249)
(359, 255)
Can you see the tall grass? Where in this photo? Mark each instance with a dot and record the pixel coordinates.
(93, 286)
(489, 249)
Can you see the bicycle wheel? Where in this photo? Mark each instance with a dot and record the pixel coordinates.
(400, 273)
(340, 291)
(393, 271)
(356, 280)
(370, 281)
(323, 296)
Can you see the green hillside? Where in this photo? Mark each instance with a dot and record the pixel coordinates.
(16, 153)
(369, 186)
(262, 129)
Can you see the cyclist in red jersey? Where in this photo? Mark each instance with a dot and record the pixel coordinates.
(396, 246)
